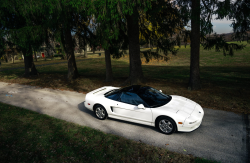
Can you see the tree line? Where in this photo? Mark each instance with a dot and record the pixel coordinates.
(119, 25)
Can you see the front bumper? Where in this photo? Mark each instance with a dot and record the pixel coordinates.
(193, 121)
(190, 127)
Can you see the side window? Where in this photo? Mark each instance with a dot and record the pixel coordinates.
(114, 96)
(131, 98)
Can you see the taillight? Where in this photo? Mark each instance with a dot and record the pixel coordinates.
(88, 103)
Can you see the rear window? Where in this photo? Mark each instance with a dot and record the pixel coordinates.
(114, 95)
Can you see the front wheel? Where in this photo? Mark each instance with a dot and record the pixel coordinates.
(166, 125)
(100, 112)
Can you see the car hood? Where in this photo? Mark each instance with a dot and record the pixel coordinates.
(179, 103)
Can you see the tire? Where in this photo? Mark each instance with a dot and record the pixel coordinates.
(100, 112)
(166, 125)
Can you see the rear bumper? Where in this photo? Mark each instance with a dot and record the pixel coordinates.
(88, 106)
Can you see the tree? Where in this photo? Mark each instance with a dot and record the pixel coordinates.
(111, 34)
(2, 46)
(128, 11)
(194, 80)
(136, 74)
(60, 17)
(239, 11)
(200, 15)
(20, 33)
(83, 33)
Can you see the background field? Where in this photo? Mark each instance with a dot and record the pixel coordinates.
(225, 79)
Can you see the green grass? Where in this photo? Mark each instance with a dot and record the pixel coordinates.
(27, 136)
(32, 137)
(224, 79)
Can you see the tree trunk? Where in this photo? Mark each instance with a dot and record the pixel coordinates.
(36, 56)
(109, 73)
(136, 74)
(62, 47)
(68, 46)
(26, 65)
(6, 58)
(85, 51)
(33, 68)
(194, 79)
(13, 58)
(30, 68)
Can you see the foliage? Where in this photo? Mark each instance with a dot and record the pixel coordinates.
(209, 8)
(112, 34)
(158, 20)
(239, 11)
(21, 30)
(161, 25)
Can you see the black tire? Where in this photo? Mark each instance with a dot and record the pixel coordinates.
(100, 112)
(166, 125)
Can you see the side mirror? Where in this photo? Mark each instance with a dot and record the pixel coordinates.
(141, 106)
(160, 90)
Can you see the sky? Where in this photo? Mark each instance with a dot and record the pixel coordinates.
(222, 26)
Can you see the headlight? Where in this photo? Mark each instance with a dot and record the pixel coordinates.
(192, 122)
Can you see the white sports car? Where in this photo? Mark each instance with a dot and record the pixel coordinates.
(145, 105)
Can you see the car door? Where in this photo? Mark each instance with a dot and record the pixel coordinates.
(127, 107)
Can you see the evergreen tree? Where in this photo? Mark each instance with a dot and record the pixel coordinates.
(239, 11)
(24, 35)
(129, 13)
(200, 13)
(57, 16)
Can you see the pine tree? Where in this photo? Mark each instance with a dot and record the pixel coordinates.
(200, 13)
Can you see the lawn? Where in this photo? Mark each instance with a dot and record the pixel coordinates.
(27, 136)
(225, 79)
(41, 61)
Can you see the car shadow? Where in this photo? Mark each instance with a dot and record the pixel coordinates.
(82, 108)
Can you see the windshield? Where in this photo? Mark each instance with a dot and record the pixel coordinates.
(153, 97)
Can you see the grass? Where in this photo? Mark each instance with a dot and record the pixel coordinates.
(225, 79)
(27, 136)
(41, 61)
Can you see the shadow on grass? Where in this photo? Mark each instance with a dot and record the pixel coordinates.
(217, 75)
(234, 76)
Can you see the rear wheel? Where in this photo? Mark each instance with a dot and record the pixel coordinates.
(166, 125)
(100, 112)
